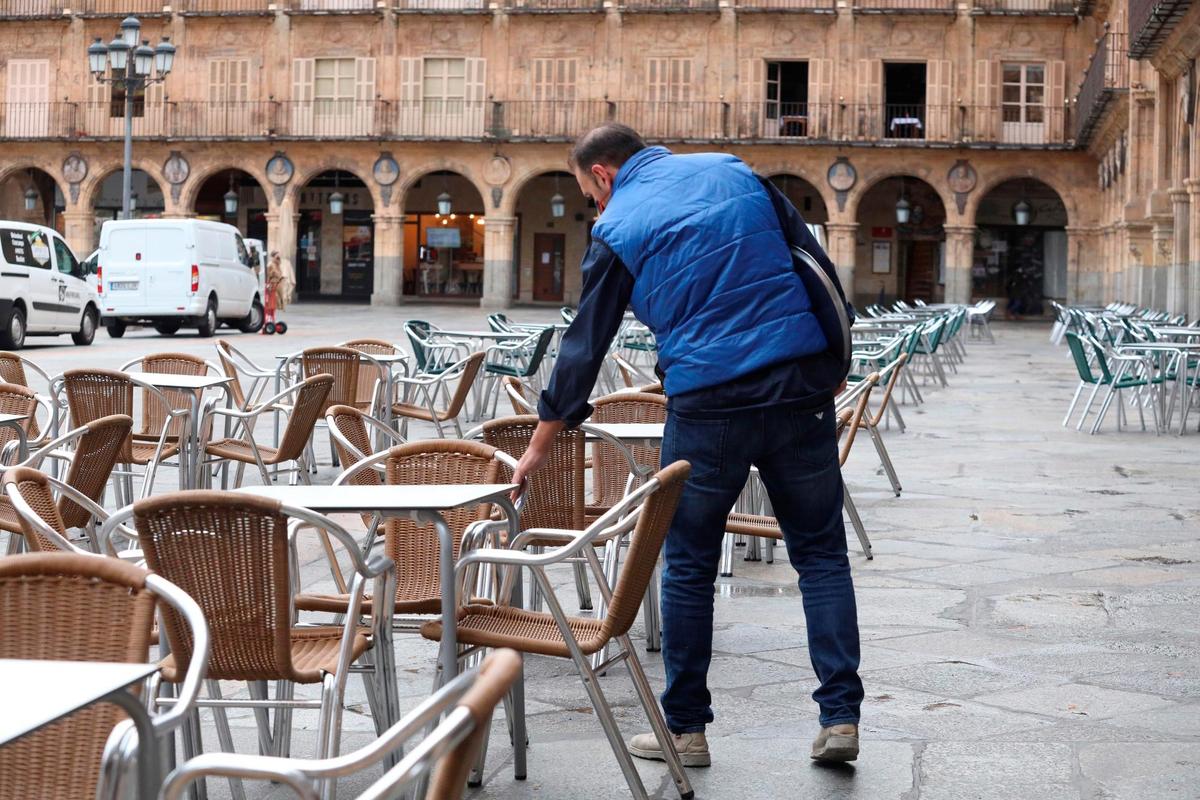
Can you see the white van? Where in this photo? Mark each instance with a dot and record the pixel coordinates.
(43, 289)
(173, 273)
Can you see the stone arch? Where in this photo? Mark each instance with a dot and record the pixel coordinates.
(520, 182)
(828, 203)
(197, 179)
(302, 178)
(12, 170)
(867, 182)
(412, 176)
(991, 181)
(91, 185)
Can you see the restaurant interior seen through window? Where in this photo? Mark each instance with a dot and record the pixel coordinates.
(443, 237)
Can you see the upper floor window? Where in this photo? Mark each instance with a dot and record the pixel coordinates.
(334, 84)
(554, 78)
(1023, 98)
(669, 80)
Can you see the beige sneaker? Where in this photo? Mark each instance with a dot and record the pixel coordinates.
(692, 748)
(836, 743)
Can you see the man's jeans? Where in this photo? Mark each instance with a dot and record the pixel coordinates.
(796, 455)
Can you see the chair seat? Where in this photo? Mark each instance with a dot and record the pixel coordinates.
(143, 450)
(505, 369)
(418, 412)
(339, 603)
(754, 525)
(239, 450)
(524, 631)
(314, 654)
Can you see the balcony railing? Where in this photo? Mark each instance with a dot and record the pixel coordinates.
(904, 6)
(1151, 22)
(119, 8)
(552, 6)
(809, 6)
(526, 120)
(439, 5)
(1063, 7)
(328, 6)
(1106, 77)
(31, 9)
(223, 7)
(668, 5)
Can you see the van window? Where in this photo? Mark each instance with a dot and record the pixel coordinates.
(66, 259)
(25, 248)
(164, 245)
(243, 256)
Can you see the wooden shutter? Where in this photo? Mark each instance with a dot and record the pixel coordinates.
(987, 101)
(28, 97)
(820, 96)
(364, 96)
(476, 96)
(411, 74)
(752, 87)
(939, 113)
(303, 70)
(868, 83)
(1056, 79)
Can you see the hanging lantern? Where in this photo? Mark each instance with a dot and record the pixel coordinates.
(902, 211)
(31, 198)
(231, 200)
(97, 57)
(444, 204)
(133, 202)
(336, 203)
(558, 206)
(1022, 212)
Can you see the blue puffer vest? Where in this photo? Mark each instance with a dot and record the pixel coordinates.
(713, 276)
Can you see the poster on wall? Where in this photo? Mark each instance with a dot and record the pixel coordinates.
(881, 257)
(443, 237)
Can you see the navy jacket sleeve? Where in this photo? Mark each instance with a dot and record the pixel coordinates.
(797, 233)
(607, 287)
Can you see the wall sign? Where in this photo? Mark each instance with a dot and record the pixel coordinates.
(881, 257)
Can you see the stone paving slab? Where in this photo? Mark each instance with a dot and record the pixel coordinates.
(1028, 622)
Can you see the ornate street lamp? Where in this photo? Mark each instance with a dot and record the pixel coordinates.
(1022, 212)
(133, 66)
(31, 198)
(231, 200)
(337, 201)
(903, 210)
(444, 204)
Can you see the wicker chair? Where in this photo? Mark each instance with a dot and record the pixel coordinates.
(15, 369)
(430, 386)
(345, 365)
(650, 508)
(154, 416)
(890, 373)
(75, 607)
(96, 447)
(851, 411)
(231, 553)
(412, 545)
(518, 395)
(21, 401)
(235, 364)
(302, 415)
(365, 394)
(466, 705)
(95, 393)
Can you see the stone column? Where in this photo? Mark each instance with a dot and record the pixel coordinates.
(1177, 276)
(79, 229)
(960, 255)
(498, 262)
(1083, 283)
(1193, 259)
(389, 258)
(841, 249)
(281, 236)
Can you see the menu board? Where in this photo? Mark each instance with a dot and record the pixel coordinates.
(25, 248)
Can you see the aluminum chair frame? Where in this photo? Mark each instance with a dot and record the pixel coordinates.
(429, 386)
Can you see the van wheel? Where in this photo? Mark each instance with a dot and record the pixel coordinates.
(254, 320)
(115, 328)
(208, 323)
(168, 328)
(87, 329)
(13, 336)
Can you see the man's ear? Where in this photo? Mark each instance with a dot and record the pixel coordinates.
(603, 176)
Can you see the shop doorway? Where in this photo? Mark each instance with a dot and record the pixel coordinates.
(550, 251)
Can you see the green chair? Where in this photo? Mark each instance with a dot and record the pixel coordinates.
(521, 360)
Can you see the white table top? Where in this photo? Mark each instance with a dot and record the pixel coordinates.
(331, 499)
(37, 693)
(12, 419)
(484, 334)
(162, 380)
(382, 358)
(631, 431)
(1175, 330)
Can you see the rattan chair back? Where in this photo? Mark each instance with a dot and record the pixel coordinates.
(348, 422)
(654, 520)
(95, 456)
(470, 370)
(12, 369)
(154, 415)
(893, 372)
(35, 489)
(518, 396)
(365, 392)
(499, 671)
(229, 367)
(311, 401)
(610, 469)
(414, 546)
(230, 553)
(19, 400)
(555, 496)
(96, 393)
(69, 607)
(342, 363)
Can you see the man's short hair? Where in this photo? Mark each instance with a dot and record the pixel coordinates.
(611, 144)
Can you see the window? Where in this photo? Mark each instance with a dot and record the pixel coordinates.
(228, 80)
(904, 87)
(24, 248)
(669, 80)
(1023, 96)
(116, 106)
(333, 86)
(444, 87)
(787, 96)
(66, 259)
(554, 78)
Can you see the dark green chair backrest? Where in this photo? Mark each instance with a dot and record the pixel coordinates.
(1079, 355)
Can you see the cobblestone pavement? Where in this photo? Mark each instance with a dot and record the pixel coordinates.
(1029, 622)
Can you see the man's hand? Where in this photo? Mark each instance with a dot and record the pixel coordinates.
(537, 453)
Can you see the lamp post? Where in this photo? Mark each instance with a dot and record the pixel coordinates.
(133, 66)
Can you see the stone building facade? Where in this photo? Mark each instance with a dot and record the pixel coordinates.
(959, 110)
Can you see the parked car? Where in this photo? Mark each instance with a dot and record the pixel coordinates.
(175, 273)
(43, 288)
